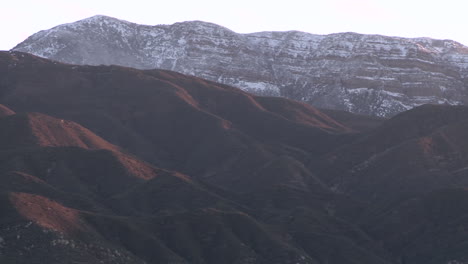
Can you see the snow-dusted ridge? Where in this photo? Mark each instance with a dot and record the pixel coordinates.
(349, 71)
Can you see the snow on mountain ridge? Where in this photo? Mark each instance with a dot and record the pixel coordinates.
(320, 69)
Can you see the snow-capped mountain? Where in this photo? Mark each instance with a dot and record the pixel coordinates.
(368, 74)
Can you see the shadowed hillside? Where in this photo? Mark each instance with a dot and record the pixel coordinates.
(106, 164)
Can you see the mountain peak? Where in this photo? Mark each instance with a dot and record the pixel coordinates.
(101, 18)
(364, 74)
(199, 23)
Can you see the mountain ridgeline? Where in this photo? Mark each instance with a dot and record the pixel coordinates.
(364, 74)
(109, 164)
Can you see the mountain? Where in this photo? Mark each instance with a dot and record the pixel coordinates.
(365, 74)
(169, 169)
(109, 164)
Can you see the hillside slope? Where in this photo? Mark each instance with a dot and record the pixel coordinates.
(107, 164)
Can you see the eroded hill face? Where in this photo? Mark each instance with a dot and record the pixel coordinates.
(365, 74)
(117, 165)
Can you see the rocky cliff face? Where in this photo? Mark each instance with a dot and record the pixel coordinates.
(366, 74)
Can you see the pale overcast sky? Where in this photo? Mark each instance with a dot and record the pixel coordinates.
(446, 19)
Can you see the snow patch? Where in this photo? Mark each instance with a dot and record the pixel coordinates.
(393, 94)
(261, 86)
(359, 90)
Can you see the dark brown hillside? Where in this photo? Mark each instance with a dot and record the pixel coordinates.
(418, 123)
(176, 169)
(226, 144)
(208, 130)
(360, 123)
(65, 156)
(410, 171)
(429, 229)
(34, 129)
(62, 200)
(428, 140)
